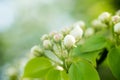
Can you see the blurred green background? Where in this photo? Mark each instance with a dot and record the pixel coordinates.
(22, 22)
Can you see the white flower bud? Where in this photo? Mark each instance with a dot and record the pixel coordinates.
(69, 41)
(37, 51)
(77, 33)
(58, 37)
(104, 17)
(52, 34)
(47, 44)
(89, 32)
(65, 30)
(116, 19)
(117, 28)
(81, 24)
(44, 37)
(98, 24)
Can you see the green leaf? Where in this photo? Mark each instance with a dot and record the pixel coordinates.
(90, 56)
(114, 62)
(83, 70)
(37, 68)
(93, 43)
(54, 74)
(64, 76)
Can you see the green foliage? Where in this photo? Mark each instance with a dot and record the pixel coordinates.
(114, 61)
(83, 70)
(37, 68)
(83, 61)
(79, 61)
(91, 48)
(41, 68)
(56, 75)
(94, 43)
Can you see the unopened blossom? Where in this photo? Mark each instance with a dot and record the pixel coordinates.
(89, 32)
(77, 33)
(98, 24)
(116, 19)
(51, 34)
(58, 37)
(117, 28)
(104, 17)
(69, 41)
(44, 37)
(81, 24)
(66, 31)
(47, 44)
(36, 50)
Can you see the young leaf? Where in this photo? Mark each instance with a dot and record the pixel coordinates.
(83, 70)
(54, 74)
(90, 56)
(37, 68)
(114, 62)
(93, 43)
(64, 76)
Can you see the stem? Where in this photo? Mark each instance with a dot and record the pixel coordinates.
(54, 53)
(53, 60)
(117, 39)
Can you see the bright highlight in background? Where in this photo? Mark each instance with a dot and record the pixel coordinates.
(7, 14)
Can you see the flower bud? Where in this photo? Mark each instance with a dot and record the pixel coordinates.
(69, 41)
(89, 32)
(37, 51)
(98, 24)
(116, 19)
(117, 28)
(81, 24)
(52, 34)
(47, 44)
(58, 37)
(44, 37)
(66, 31)
(104, 17)
(77, 33)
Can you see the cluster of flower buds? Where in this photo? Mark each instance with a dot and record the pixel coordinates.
(103, 21)
(116, 22)
(105, 17)
(61, 41)
(107, 20)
